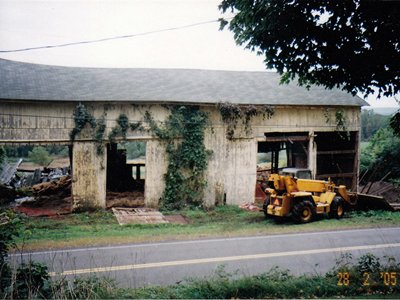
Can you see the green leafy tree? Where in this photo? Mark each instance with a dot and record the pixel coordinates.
(20, 151)
(40, 156)
(353, 45)
(371, 122)
(382, 156)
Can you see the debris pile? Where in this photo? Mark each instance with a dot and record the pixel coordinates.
(250, 207)
(125, 199)
(41, 191)
(7, 194)
(387, 191)
(8, 171)
(49, 198)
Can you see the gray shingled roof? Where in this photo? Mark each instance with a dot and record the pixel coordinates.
(26, 81)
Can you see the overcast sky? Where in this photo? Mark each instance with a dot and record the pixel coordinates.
(34, 23)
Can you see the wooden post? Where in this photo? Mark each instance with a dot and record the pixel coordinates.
(312, 155)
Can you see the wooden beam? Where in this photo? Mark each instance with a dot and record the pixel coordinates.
(282, 138)
(347, 175)
(330, 152)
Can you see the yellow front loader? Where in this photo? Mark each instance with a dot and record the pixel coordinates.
(302, 199)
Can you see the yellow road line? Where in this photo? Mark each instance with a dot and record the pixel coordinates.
(220, 259)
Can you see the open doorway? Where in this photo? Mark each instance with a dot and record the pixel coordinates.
(337, 157)
(35, 179)
(282, 150)
(277, 151)
(126, 173)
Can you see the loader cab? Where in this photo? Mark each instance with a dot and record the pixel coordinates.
(297, 173)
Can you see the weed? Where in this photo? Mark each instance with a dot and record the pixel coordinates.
(91, 288)
(29, 280)
(368, 263)
(276, 283)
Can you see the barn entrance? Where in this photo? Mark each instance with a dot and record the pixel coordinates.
(126, 173)
(337, 157)
(277, 151)
(331, 155)
(281, 150)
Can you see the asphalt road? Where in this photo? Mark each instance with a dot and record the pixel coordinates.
(170, 262)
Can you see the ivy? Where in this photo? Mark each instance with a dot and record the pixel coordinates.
(340, 121)
(232, 113)
(82, 117)
(99, 134)
(183, 135)
(122, 127)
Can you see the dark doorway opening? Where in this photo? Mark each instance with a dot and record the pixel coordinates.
(337, 157)
(126, 174)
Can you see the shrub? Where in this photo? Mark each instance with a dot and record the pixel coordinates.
(29, 280)
(40, 156)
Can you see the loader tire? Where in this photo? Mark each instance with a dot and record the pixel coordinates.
(303, 212)
(265, 205)
(337, 208)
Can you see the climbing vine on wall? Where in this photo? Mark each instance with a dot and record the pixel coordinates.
(232, 113)
(122, 127)
(340, 121)
(82, 117)
(99, 135)
(183, 135)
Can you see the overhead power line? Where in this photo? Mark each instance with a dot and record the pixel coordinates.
(109, 38)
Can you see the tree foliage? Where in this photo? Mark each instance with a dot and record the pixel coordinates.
(395, 123)
(353, 45)
(381, 156)
(40, 156)
(371, 122)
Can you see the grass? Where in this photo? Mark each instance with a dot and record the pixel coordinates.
(101, 228)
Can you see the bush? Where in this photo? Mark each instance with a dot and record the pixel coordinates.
(29, 280)
(40, 156)
(381, 156)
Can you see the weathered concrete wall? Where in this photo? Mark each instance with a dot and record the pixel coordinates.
(231, 174)
(88, 177)
(156, 167)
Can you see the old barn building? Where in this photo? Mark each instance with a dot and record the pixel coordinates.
(316, 128)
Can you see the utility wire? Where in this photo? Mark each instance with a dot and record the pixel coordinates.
(109, 38)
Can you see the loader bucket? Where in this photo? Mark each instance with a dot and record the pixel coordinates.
(367, 202)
